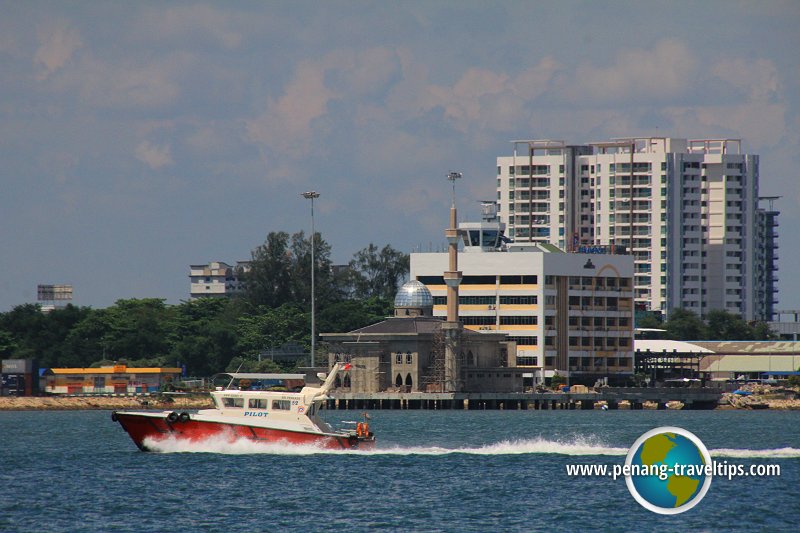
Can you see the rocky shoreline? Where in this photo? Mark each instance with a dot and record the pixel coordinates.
(75, 403)
(756, 396)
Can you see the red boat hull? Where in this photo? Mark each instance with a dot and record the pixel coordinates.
(141, 427)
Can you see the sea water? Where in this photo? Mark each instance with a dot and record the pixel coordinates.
(431, 471)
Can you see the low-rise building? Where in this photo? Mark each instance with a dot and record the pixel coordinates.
(117, 379)
(217, 279)
(665, 360)
(786, 324)
(406, 353)
(750, 359)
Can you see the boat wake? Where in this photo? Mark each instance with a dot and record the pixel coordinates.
(741, 453)
(224, 445)
(515, 447)
(538, 446)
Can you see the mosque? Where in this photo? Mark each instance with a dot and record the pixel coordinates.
(408, 353)
(413, 351)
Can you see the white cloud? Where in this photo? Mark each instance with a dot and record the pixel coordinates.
(462, 101)
(535, 81)
(480, 101)
(204, 139)
(58, 41)
(101, 83)
(760, 124)
(286, 126)
(290, 123)
(153, 155)
(665, 71)
(186, 21)
(367, 72)
(758, 79)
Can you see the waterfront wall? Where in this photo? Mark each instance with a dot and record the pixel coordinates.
(612, 398)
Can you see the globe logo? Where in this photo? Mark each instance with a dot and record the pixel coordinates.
(669, 470)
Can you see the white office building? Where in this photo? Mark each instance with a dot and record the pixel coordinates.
(570, 313)
(685, 209)
(217, 279)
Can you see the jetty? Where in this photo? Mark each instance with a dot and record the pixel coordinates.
(612, 397)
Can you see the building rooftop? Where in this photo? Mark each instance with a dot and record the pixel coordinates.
(413, 294)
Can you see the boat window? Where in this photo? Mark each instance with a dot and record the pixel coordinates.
(256, 403)
(282, 405)
(233, 402)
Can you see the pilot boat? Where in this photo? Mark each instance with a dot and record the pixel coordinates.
(273, 416)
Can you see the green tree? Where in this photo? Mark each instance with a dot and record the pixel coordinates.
(267, 327)
(324, 290)
(268, 282)
(139, 329)
(26, 324)
(242, 364)
(684, 325)
(89, 341)
(204, 337)
(280, 272)
(38, 335)
(762, 331)
(378, 274)
(723, 325)
(650, 321)
(348, 315)
(8, 344)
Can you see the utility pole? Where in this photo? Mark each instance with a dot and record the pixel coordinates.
(311, 195)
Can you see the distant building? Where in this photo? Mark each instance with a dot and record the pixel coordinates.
(766, 260)
(51, 297)
(687, 210)
(718, 360)
(217, 279)
(117, 379)
(566, 313)
(786, 324)
(406, 353)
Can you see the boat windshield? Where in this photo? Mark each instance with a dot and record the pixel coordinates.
(255, 381)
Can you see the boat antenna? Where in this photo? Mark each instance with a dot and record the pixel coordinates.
(232, 377)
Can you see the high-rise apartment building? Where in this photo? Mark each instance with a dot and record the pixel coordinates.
(766, 264)
(687, 210)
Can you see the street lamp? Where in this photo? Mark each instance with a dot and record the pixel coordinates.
(310, 195)
(452, 177)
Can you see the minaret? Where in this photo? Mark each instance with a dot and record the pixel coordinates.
(452, 327)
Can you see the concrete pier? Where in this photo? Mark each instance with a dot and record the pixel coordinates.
(707, 398)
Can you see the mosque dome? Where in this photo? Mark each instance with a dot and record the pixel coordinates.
(413, 294)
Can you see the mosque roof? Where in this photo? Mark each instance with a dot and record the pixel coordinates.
(413, 294)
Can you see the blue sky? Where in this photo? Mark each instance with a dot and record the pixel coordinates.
(137, 138)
